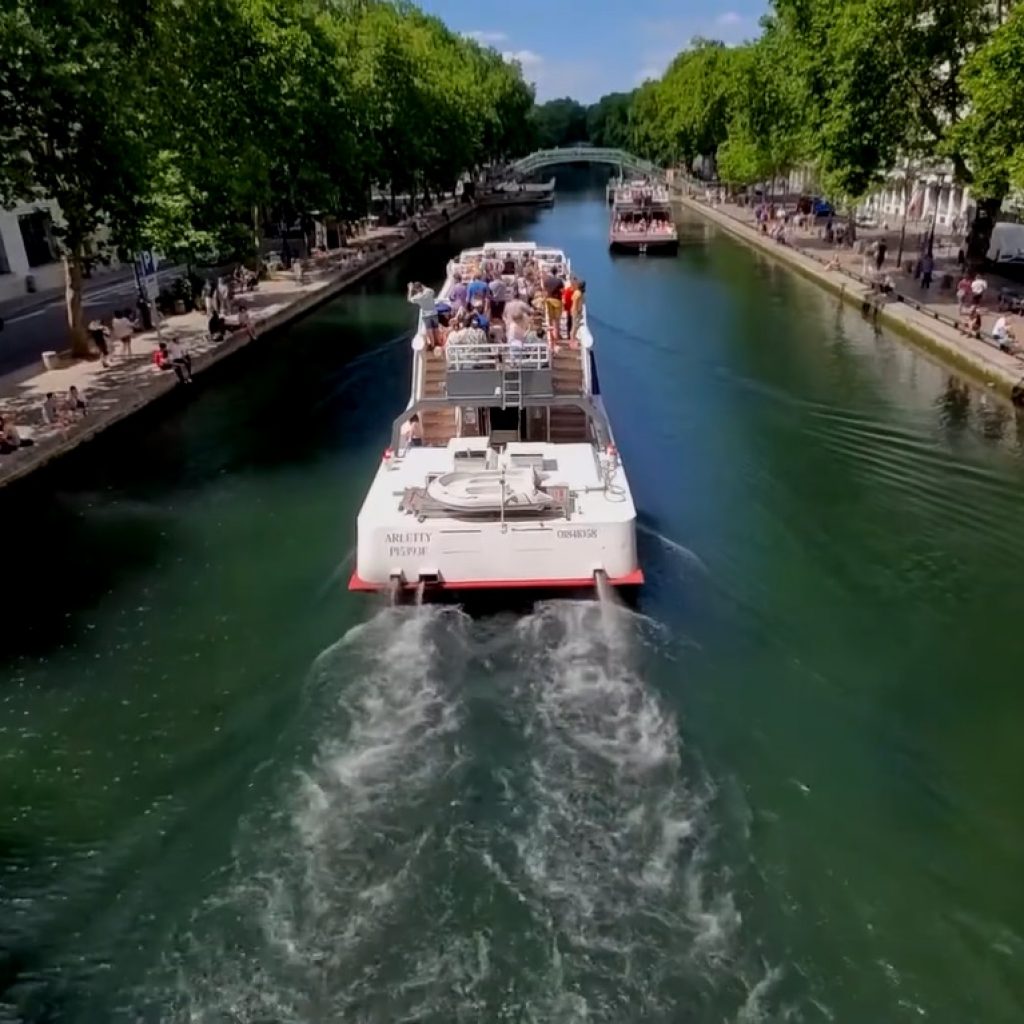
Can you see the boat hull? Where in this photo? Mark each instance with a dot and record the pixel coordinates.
(651, 246)
(460, 554)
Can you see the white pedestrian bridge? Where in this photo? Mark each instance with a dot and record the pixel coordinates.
(545, 158)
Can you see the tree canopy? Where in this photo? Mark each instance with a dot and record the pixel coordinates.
(853, 89)
(184, 127)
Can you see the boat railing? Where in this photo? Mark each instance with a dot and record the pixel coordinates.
(472, 355)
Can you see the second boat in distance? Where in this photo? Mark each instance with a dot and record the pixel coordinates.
(642, 221)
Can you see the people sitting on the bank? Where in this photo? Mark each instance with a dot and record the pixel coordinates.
(970, 323)
(161, 357)
(425, 299)
(51, 410)
(833, 264)
(1003, 335)
(10, 438)
(181, 361)
(121, 330)
(882, 282)
(412, 432)
(74, 404)
(245, 322)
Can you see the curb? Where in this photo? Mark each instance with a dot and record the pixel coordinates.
(967, 355)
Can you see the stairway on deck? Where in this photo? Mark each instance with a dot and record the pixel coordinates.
(439, 425)
(568, 424)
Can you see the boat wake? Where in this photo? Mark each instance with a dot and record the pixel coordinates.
(497, 821)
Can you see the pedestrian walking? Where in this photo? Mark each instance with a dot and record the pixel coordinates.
(100, 333)
(122, 329)
(927, 270)
(978, 288)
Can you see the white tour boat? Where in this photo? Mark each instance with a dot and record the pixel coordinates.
(641, 219)
(516, 480)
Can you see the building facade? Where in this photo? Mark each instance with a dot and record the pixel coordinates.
(30, 259)
(29, 255)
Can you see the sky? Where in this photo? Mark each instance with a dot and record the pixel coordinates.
(587, 48)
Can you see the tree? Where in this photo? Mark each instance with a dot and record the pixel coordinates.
(76, 122)
(560, 123)
(686, 113)
(991, 136)
(766, 134)
(608, 121)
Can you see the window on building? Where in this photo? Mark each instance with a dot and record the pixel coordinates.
(5, 267)
(37, 234)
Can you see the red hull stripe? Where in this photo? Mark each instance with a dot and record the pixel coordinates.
(634, 579)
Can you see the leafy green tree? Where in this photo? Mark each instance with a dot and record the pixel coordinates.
(608, 121)
(686, 113)
(991, 135)
(76, 122)
(560, 123)
(766, 134)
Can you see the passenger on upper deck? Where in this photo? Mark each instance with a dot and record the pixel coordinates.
(458, 296)
(499, 296)
(424, 298)
(477, 291)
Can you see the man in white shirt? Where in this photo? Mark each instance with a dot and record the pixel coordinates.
(978, 287)
(1003, 335)
(426, 301)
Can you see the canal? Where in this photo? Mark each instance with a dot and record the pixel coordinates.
(787, 787)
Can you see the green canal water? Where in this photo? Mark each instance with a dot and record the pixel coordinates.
(786, 787)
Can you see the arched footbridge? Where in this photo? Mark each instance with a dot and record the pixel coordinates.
(545, 158)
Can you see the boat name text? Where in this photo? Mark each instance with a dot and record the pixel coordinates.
(589, 534)
(407, 545)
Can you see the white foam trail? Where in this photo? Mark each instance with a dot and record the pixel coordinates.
(754, 1009)
(609, 857)
(317, 899)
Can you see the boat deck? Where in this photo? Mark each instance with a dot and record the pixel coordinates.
(572, 466)
(440, 425)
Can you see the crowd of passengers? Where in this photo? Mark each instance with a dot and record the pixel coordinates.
(504, 298)
(643, 225)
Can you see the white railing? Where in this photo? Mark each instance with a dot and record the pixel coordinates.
(471, 355)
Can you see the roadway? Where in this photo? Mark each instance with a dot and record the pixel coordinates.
(31, 328)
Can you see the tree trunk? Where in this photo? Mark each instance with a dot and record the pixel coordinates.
(80, 347)
(981, 231)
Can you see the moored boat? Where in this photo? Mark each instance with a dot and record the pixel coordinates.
(502, 472)
(641, 219)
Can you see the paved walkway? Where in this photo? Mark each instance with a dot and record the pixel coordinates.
(133, 381)
(932, 317)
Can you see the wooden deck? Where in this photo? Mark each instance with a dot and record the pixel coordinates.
(567, 424)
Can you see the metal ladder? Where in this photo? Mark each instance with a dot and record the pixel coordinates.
(512, 387)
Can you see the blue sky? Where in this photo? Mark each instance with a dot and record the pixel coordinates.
(591, 47)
